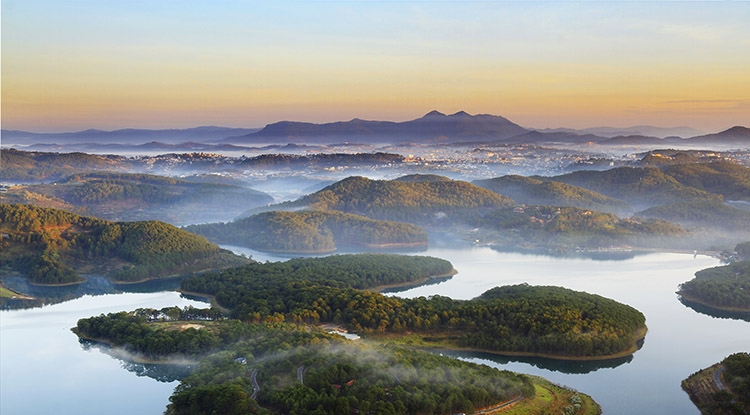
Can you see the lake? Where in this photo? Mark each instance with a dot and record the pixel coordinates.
(45, 369)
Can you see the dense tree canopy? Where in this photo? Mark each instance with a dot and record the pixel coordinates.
(535, 191)
(723, 287)
(279, 368)
(536, 320)
(728, 179)
(572, 227)
(49, 244)
(311, 231)
(640, 187)
(415, 201)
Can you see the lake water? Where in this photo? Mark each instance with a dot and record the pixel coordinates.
(46, 370)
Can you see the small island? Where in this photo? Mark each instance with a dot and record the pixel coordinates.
(341, 290)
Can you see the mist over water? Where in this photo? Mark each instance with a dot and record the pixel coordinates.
(41, 356)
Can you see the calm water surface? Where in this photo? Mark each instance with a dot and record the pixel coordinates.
(42, 358)
(45, 370)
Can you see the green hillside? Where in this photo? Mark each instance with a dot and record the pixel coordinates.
(640, 187)
(535, 191)
(537, 320)
(279, 368)
(728, 179)
(32, 166)
(566, 228)
(52, 246)
(311, 231)
(125, 196)
(709, 214)
(725, 287)
(408, 200)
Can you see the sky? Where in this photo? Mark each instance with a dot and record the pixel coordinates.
(77, 64)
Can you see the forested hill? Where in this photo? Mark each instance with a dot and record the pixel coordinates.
(640, 187)
(536, 320)
(281, 368)
(565, 228)
(52, 246)
(131, 197)
(730, 180)
(30, 167)
(726, 287)
(534, 191)
(404, 200)
(311, 231)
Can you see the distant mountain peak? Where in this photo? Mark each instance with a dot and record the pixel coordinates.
(434, 113)
(737, 129)
(461, 114)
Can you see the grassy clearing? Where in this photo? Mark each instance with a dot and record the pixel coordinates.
(6, 292)
(553, 399)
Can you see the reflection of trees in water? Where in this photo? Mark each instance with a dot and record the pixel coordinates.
(94, 285)
(716, 313)
(596, 255)
(554, 365)
(161, 372)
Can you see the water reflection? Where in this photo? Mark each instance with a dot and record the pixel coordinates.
(716, 313)
(554, 365)
(166, 373)
(94, 285)
(603, 254)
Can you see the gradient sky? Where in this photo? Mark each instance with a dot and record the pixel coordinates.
(72, 65)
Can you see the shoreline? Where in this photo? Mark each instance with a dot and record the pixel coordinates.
(330, 251)
(412, 284)
(640, 335)
(692, 299)
(122, 354)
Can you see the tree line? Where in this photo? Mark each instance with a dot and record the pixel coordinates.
(48, 244)
(726, 286)
(541, 320)
(310, 231)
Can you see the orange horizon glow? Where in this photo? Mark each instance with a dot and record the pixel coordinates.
(577, 65)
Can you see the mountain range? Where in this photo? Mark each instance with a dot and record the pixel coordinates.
(433, 128)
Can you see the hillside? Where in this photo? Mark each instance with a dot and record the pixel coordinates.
(312, 231)
(534, 191)
(52, 246)
(726, 287)
(732, 397)
(281, 368)
(131, 197)
(566, 229)
(713, 216)
(731, 180)
(35, 167)
(506, 319)
(640, 187)
(404, 200)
